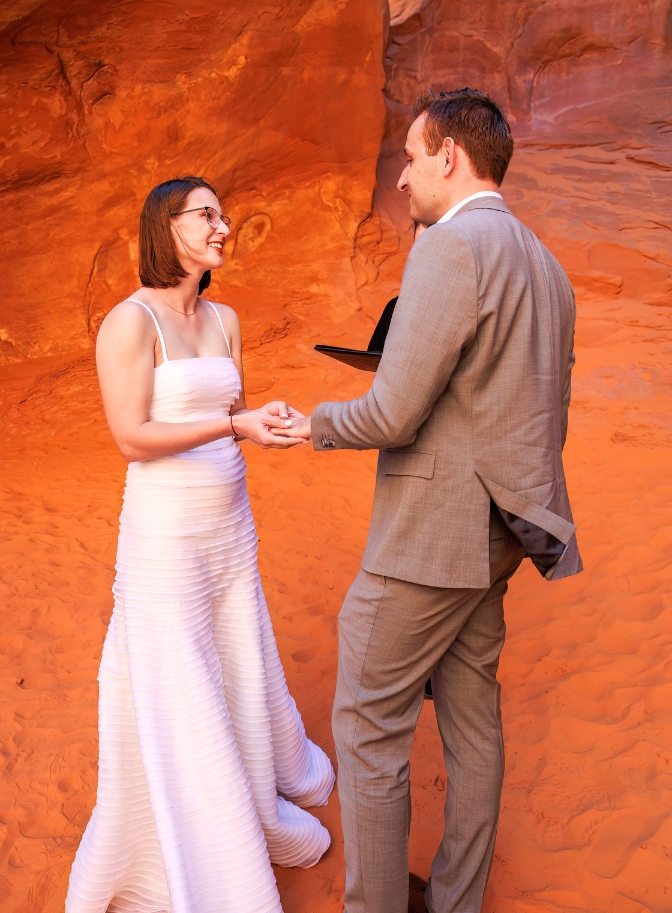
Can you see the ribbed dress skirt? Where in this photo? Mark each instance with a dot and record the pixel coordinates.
(204, 767)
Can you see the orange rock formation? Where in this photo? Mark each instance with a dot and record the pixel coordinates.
(281, 105)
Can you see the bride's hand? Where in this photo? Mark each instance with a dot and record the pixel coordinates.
(282, 410)
(257, 425)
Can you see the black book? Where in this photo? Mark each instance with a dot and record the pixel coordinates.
(369, 359)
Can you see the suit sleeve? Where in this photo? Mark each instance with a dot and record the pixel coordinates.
(434, 320)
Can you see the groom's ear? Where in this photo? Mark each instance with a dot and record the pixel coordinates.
(448, 156)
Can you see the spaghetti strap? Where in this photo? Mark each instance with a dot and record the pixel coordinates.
(156, 324)
(228, 345)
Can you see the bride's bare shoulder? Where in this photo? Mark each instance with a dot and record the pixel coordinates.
(229, 318)
(225, 310)
(127, 319)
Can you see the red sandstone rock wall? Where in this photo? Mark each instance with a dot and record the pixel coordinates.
(279, 104)
(587, 88)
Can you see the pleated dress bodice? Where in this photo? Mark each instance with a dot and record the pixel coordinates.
(195, 390)
(186, 390)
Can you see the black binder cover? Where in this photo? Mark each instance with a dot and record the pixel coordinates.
(356, 358)
(365, 360)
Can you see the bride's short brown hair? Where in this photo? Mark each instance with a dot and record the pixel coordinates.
(159, 264)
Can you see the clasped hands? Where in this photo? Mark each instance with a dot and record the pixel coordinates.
(274, 426)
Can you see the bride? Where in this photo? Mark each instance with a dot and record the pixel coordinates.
(204, 762)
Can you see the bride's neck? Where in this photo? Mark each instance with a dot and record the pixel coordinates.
(181, 297)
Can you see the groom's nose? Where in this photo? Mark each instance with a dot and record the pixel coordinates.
(402, 183)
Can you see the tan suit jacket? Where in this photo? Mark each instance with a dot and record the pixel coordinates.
(469, 403)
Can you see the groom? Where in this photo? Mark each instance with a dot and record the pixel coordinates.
(468, 409)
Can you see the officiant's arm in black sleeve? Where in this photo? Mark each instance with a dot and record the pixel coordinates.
(377, 342)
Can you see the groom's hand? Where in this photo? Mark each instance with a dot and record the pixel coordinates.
(299, 431)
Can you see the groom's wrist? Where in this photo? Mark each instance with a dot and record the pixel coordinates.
(322, 431)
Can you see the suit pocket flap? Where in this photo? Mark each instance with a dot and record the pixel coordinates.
(418, 463)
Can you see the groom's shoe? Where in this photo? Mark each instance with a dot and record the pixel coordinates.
(416, 894)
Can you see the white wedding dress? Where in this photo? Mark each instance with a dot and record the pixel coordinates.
(204, 762)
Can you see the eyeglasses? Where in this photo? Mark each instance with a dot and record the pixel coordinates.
(211, 214)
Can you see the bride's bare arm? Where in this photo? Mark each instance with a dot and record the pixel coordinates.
(125, 361)
(278, 408)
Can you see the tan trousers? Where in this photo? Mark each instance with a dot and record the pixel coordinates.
(392, 635)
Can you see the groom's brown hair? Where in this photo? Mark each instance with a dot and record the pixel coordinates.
(475, 122)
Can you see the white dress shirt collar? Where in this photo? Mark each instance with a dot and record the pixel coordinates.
(475, 196)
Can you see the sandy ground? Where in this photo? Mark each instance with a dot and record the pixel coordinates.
(585, 825)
